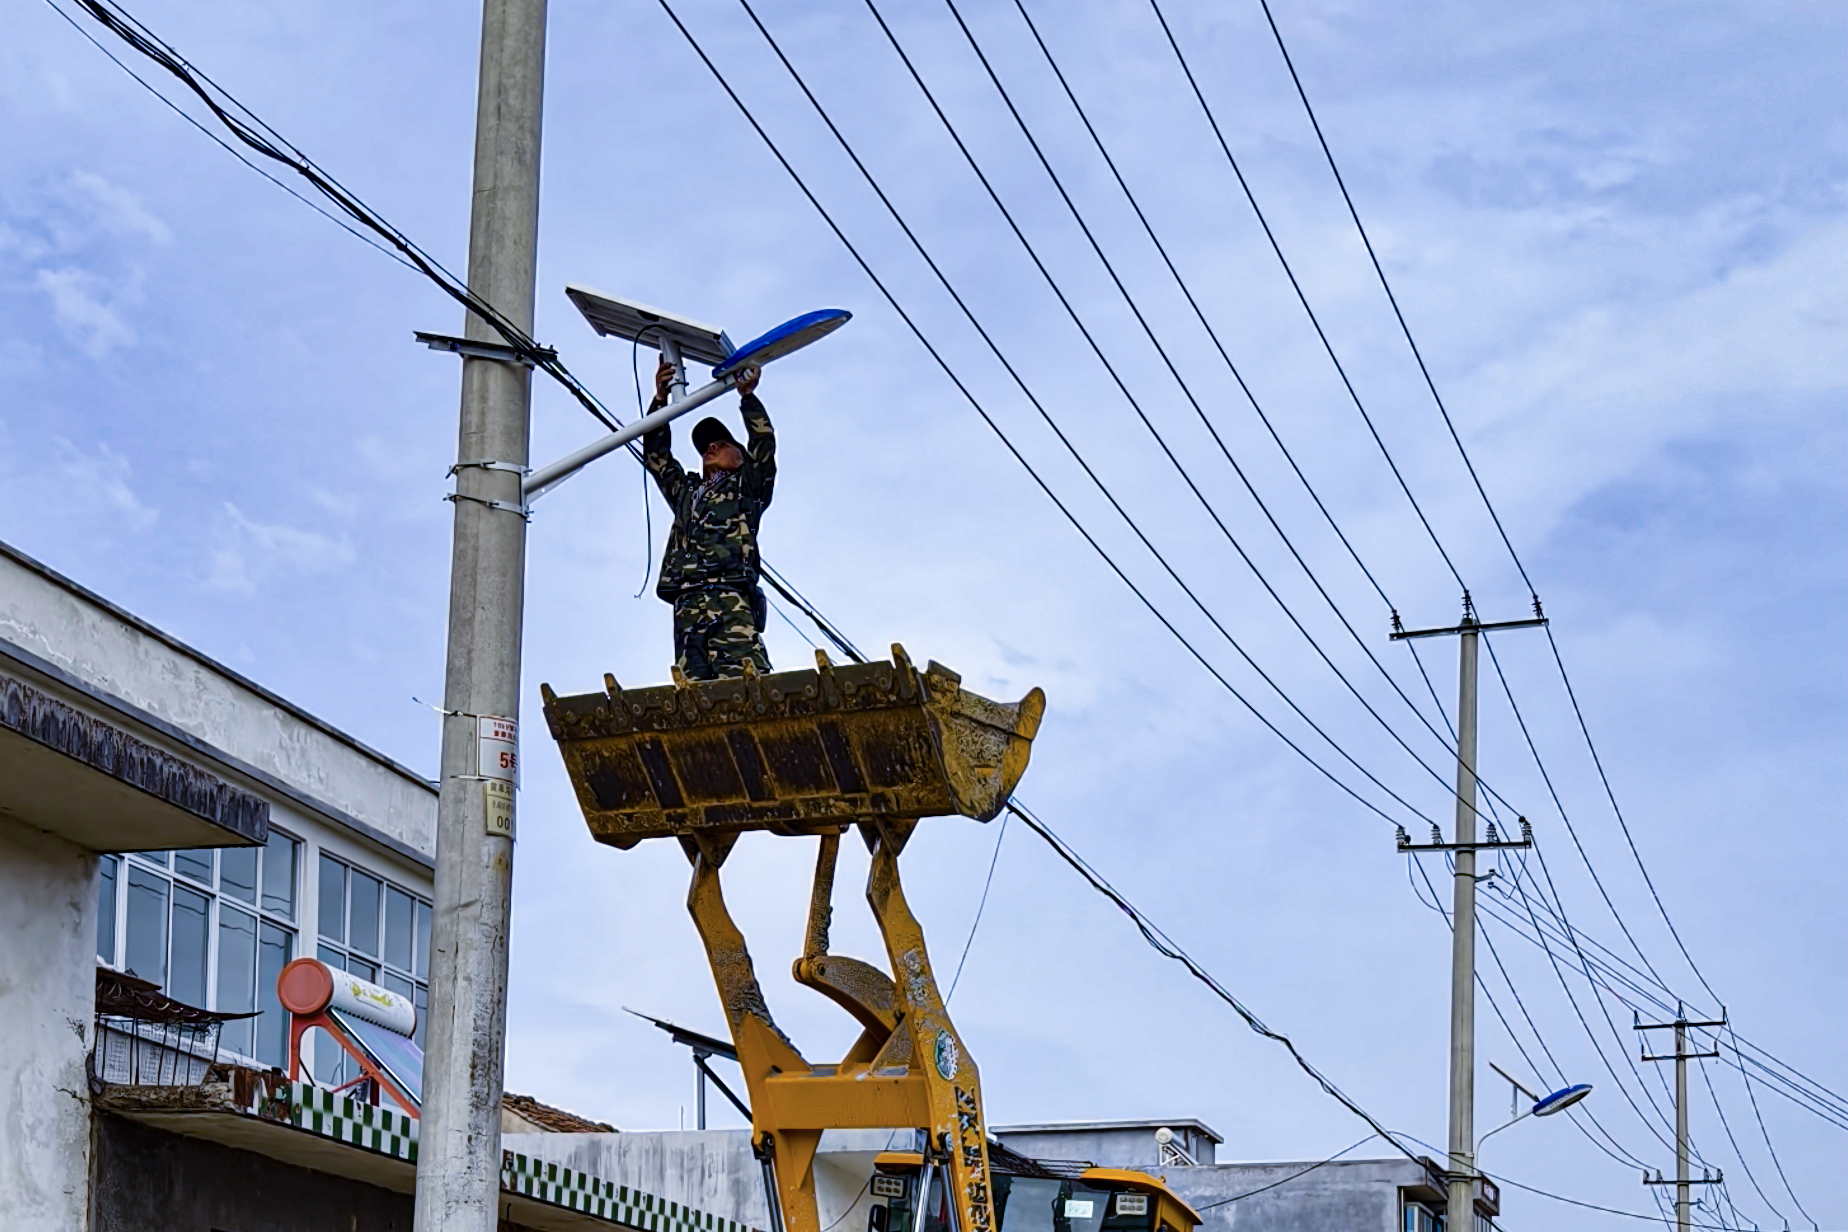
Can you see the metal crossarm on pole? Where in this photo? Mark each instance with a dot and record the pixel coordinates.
(476, 349)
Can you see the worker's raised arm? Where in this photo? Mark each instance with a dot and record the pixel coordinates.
(759, 436)
(658, 446)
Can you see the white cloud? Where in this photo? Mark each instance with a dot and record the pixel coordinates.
(99, 481)
(78, 304)
(249, 551)
(119, 210)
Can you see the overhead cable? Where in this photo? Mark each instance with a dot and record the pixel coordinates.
(1038, 406)
(1456, 437)
(250, 129)
(1302, 296)
(995, 427)
(1166, 947)
(1186, 390)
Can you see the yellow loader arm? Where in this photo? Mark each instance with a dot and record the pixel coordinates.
(870, 746)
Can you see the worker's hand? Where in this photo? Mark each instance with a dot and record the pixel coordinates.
(664, 381)
(746, 380)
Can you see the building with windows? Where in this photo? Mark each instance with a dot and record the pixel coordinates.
(165, 817)
(172, 835)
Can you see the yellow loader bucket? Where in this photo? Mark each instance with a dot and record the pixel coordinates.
(803, 752)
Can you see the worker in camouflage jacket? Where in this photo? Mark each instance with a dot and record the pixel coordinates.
(710, 569)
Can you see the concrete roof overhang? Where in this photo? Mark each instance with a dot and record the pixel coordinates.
(208, 1112)
(98, 785)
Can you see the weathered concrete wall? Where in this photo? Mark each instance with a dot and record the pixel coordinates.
(47, 1014)
(1128, 1144)
(1360, 1195)
(714, 1171)
(83, 635)
(149, 1179)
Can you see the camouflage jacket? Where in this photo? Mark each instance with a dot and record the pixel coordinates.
(714, 539)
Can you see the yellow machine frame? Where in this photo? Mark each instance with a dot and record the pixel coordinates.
(872, 747)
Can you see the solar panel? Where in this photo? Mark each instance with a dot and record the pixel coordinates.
(611, 316)
(397, 1055)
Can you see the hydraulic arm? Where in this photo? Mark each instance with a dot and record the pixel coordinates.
(869, 747)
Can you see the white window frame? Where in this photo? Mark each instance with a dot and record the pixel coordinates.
(215, 898)
(344, 946)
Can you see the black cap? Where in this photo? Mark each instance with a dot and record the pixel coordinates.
(709, 432)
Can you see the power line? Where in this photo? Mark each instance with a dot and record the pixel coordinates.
(1792, 1088)
(1154, 340)
(1302, 297)
(1321, 1163)
(1046, 416)
(979, 908)
(213, 137)
(1163, 945)
(250, 129)
(1456, 437)
(1622, 1154)
(1767, 1134)
(1161, 558)
(1590, 1206)
(995, 427)
(1387, 286)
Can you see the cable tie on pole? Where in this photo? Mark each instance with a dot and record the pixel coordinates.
(489, 464)
(525, 511)
(452, 714)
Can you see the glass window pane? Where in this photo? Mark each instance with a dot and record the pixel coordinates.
(363, 969)
(333, 899)
(186, 980)
(237, 975)
(153, 857)
(423, 940)
(279, 859)
(108, 874)
(331, 1064)
(332, 957)
(400, 985)
(146, 951)
(276, 946)
(237, 873)
(195, 864)
(397, 928)
(364, 934)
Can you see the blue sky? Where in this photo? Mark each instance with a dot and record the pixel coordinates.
(1618, 233)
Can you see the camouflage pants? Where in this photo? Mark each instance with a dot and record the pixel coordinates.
(716, 634)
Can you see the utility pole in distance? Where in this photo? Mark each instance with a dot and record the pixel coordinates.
(459, 1150)
(1462, 1176)
(1681, 1056)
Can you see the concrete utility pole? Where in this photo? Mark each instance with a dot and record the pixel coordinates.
(1462, 1176)
(1681, 1056)
(459, 1151)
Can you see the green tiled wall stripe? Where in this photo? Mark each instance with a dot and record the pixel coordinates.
(389, 1132)
(384, 1130)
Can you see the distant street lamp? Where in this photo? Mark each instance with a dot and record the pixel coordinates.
(1542, 1106)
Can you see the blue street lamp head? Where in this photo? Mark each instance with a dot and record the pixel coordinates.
(1561, 1099)
(787, 337)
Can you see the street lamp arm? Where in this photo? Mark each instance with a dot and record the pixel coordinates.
(1501, 1127)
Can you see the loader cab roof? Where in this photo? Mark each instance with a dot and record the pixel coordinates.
(1046, 1196)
